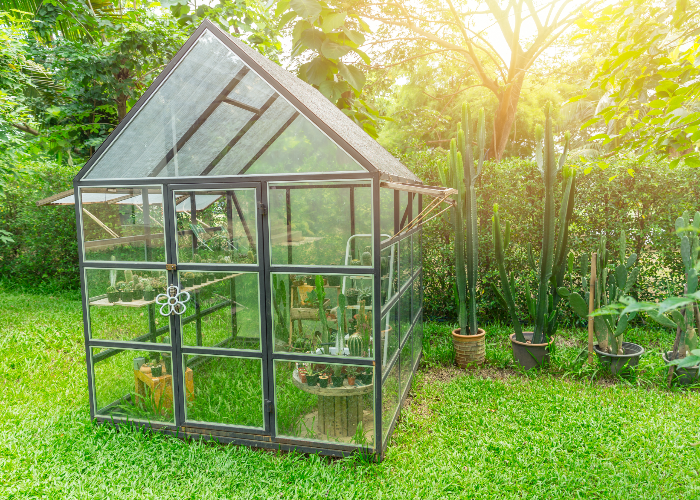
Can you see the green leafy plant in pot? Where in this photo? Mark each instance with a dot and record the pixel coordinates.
(532, 349)
(461, 174)
(612, 283)
(127, 293)
(680, 312)
(148, 292)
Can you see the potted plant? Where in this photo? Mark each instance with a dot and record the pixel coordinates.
(334, 280)
(352, 373)
(323, 380)
(156, 370)
(611, 284)
(531, 349)
(366, 257)
(366, 376)
(148, 292)
(301, 370)
(188, 280)
(468, 340)
(138, 291)
(311, 280)
(112, 295)
(337, 377)
(351, 295)
(366, 296)
(197, 278)
(681, 312)
(312, 378)
(355, 262)
(127, 293)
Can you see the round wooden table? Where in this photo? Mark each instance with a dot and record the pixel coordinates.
(340, 409)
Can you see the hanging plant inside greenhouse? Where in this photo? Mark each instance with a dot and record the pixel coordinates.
(461, 174)
(532, 348)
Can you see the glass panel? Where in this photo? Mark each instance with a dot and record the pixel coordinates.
(405, 260)
(296, 323)
(312, 224)
(414, 209)
(390, 335)
(404, 218)
(325, 402)
(121, 305)
(406, 365)
(224, 390)
(415, 298)
(207, 71)
(123, 224)
(386, 217)
(390, 399)
(222, 310)
(303, 148)
(127, 384)
(390, 272)
(216, 226)
(405, 312)
(417, 337)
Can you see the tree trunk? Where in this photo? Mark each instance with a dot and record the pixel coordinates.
(505, 115)
(121, 107)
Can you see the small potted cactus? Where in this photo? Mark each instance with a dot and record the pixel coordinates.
(138, 291)
(355, 345)
(323, 380)
(148, 292)
(312, 378)
(188, 280)
(112, 294)
(197, 278)
(351, 295)
(355, 262)
(366, 257)
(127, 294)
(337, 377)
(156, 370)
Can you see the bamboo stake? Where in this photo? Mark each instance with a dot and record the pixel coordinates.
(591, 305)
(676, 344)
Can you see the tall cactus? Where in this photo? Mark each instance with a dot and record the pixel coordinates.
(321, 296)
(552, 261)
(340, 336)
(461, 174)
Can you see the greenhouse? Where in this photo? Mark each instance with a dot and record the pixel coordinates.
(250, 261)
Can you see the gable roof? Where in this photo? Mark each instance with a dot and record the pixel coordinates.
(198, 98)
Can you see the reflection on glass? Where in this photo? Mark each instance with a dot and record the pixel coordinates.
(390, 399)
(417, 337)
(222, 310)
(405, 260)
(318, 224)
(405, 312)
(406, 365)
(122, 306)
(133, 384)
(327, 314)
(216, 226)
(389, 260)
(224, 390)
(123, 224)
(325, 402)
(386, 217)
(390, 335)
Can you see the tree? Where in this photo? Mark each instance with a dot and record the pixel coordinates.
(650, 80)
(438, 26)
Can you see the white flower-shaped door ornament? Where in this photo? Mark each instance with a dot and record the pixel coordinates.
(172, 301)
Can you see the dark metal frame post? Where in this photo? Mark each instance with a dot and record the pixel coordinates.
(352, 220)
(377, 313)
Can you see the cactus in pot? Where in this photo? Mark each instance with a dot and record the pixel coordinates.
(461, 174)
(366, 257)
(544, 309)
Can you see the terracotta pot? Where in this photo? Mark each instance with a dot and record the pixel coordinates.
(302, 377)
(529, 355)
(470, 350)
(351, 380)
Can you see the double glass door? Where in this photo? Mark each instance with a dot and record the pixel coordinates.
(174, 294)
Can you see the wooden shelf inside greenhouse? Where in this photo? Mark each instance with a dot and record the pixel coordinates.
(104, 301)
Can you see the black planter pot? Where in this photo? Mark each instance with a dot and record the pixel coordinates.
(113, 297)
(323, 382)
(618, 363)
(337, 381)
(529, 356)
(157, 371)
(127, 296)
(137, 294)
(683, 376)
(311, 380)
(149, 295)
(197, 280)
(352, 300)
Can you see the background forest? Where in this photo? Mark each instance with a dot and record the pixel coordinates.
(623, 78)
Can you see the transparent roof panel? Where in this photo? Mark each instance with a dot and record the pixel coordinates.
(214, 116)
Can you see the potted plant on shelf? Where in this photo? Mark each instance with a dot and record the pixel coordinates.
(366, 375)
(611, 283)
(531, 349)
(188, 280)
(148, 292)
(127, 293)
(366, 257)
(301, 370)
(461, 174)
(352, 373)
(312, 378)
(323, 379)
(337, 377)
(138, 291)
(156, 370)
(351, 294)
(112, 294)
(197, 278)
(363, 323)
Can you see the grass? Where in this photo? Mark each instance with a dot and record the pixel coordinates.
(568, 432)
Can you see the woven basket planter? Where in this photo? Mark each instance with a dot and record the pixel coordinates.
(470, 350)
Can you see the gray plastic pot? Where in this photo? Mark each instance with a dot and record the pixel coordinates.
(683, 376)
(530, 356)
(616, 363)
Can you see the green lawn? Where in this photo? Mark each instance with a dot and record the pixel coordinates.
(492, 433)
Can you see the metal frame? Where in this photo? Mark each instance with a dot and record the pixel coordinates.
(266, 437)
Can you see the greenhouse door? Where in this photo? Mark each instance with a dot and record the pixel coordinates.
(215, 259)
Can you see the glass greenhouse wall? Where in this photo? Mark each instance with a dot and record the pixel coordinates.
(246, 272)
